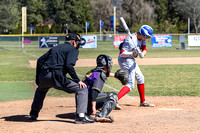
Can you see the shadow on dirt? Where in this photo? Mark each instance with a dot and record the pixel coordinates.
(17, 118)
(26, 118)
(128, 105)
(66, 116)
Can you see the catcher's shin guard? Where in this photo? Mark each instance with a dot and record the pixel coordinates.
(106, 109)
(108, 106)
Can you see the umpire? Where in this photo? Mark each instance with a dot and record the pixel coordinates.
(51, 71)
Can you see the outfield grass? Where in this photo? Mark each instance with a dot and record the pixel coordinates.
(161, 80)
(11, 91)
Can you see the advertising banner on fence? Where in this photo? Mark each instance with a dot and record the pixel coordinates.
(118, 39)
(193, 40)
(48, 41)
(90, 42)
(162, 41)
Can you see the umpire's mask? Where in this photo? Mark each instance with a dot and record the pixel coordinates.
(76, 37)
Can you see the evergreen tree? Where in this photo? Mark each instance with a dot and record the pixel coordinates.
(74, 13)
(86, 15)
(9, 16)
(36, 11)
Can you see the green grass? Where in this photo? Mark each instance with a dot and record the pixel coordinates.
(163, 80)
(11, 91)
(160, 80)
(172, 80)
(14, 66)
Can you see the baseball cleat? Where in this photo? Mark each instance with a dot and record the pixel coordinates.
(146, 104)
(83, 120)
(117, 107)
(33, 118)
(34, 115)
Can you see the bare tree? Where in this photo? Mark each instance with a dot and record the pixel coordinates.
(138, 11)
(134, 11)
(190, 9)
(102, 10)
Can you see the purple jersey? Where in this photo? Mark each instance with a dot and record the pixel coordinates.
(93, 80)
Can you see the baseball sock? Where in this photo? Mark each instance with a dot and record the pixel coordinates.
(141, 91)
(123, 92)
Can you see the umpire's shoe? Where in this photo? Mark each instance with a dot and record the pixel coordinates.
(33, 115)
(83, 120)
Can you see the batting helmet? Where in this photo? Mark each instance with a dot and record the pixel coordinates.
(104, 61)
(146, 31)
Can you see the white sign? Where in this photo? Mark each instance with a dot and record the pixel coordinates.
(193, 40)
(91, 42)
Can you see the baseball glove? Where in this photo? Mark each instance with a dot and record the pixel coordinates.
(122, 75)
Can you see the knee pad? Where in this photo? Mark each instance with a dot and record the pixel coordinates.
(113, 96)
(140, 79)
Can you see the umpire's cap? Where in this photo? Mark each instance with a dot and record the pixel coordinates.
(73, 36)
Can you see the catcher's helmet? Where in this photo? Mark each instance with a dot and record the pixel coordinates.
(105, 61)
(146, 31)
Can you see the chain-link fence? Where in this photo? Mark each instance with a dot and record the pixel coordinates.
(31, 42)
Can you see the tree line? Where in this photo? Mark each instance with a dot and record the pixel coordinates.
(53, 16)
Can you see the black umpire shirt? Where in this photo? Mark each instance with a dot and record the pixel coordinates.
(60, 60)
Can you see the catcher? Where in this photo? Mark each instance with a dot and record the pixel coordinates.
(95, 80)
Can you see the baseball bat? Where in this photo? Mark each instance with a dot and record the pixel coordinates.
(129, 33)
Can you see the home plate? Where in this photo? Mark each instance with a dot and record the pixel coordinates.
(169, 109)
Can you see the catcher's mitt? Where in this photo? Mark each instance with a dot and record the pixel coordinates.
(122, 75)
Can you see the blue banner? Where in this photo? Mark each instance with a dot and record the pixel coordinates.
(87, 24)
(101, 23)
(162, 41)
(32, 28)
(112, 23)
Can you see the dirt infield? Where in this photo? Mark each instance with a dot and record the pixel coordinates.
(144, 61)
(171, 115)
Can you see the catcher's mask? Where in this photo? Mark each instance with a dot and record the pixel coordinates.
(105, 61)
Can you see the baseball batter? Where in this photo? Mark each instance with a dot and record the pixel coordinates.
(126, 60)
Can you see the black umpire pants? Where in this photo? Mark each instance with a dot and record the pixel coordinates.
(46, 82)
